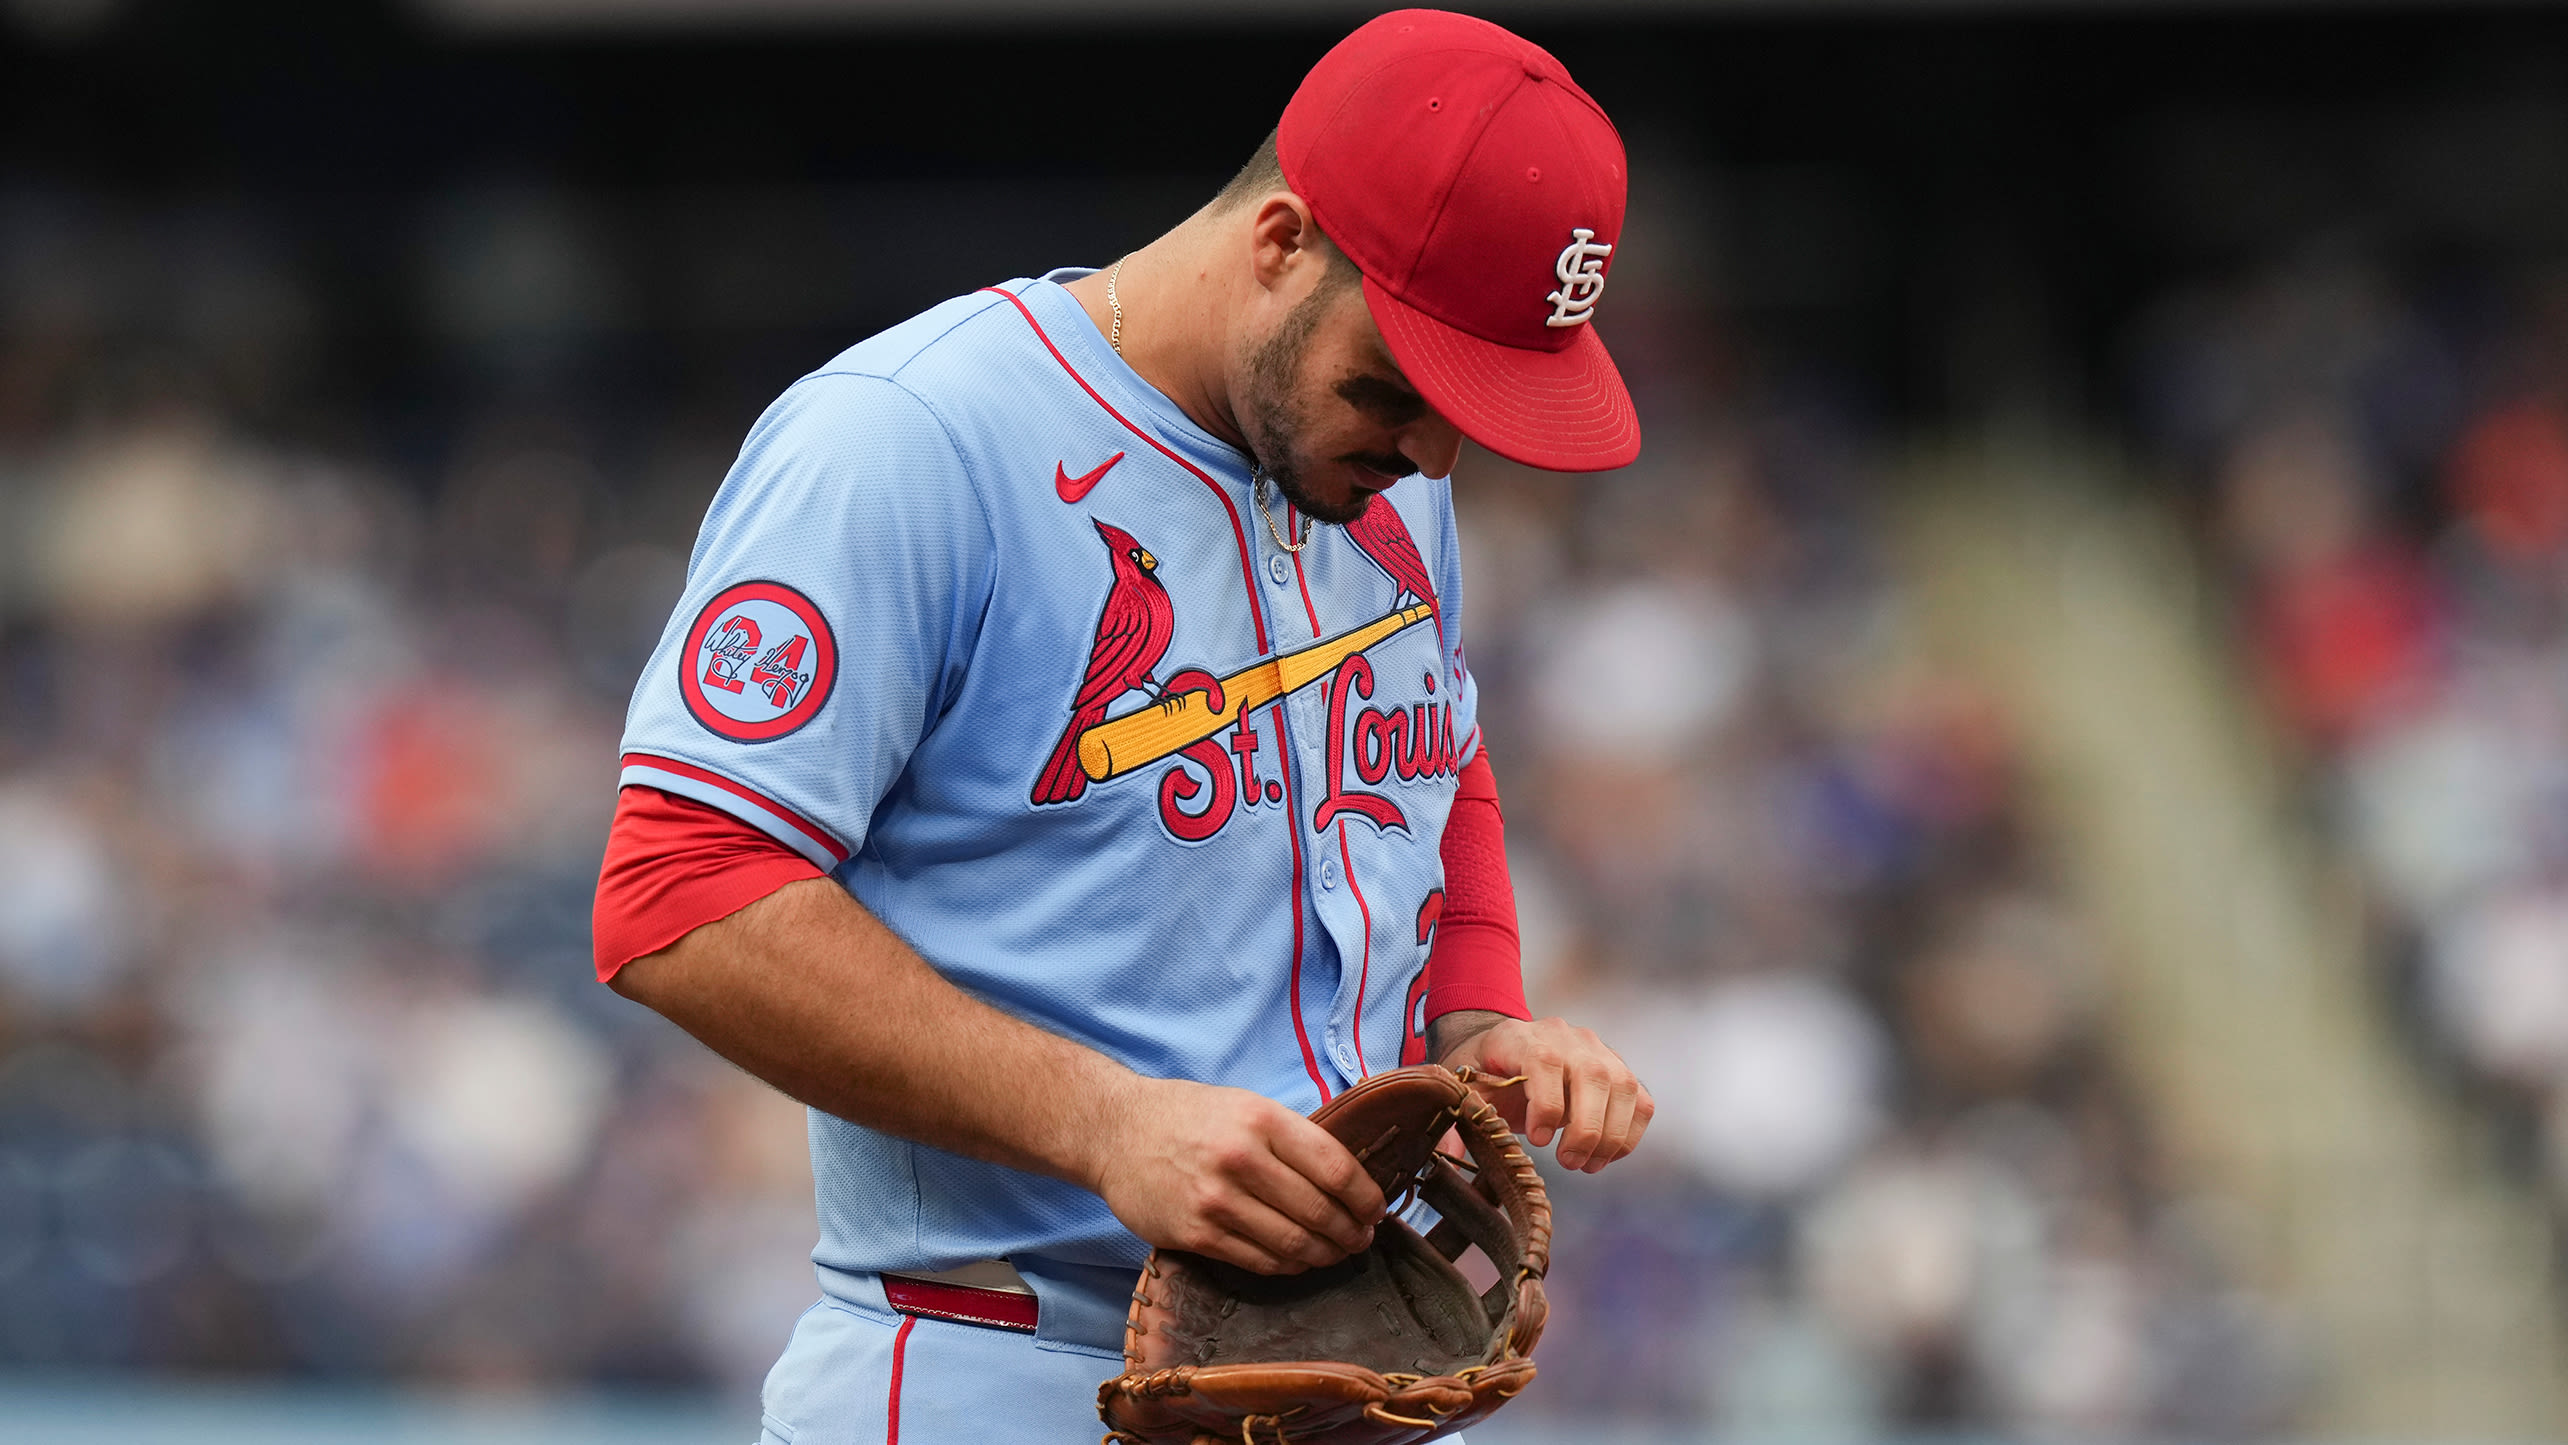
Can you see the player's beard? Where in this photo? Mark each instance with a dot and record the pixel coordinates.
(1275, 424)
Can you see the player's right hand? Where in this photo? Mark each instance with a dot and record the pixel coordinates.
(1233, 1175)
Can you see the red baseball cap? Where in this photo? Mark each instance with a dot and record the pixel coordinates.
(1480, 191)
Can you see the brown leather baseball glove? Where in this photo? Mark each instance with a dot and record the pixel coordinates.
(1387, 1347)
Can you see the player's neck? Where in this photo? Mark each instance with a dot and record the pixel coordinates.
(1176, 321)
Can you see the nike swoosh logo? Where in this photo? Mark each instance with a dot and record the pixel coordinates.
(1073, 488)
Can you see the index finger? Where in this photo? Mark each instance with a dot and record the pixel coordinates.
(1316, 1155)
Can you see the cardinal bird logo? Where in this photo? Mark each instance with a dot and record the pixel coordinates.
(1132, 635)
(1381, 535)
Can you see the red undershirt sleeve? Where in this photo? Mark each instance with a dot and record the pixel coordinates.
(672, 866)
(1477, 961)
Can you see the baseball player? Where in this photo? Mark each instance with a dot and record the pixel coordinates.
(1062, 772)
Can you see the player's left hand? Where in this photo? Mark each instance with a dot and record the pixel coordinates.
(1574, 1088)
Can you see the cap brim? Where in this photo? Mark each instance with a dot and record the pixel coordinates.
(1562, 411)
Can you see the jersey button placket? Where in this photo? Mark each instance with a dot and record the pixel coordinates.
(1279, 570)
(1328, 875)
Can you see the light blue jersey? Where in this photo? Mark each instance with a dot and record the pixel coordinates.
(981, 623)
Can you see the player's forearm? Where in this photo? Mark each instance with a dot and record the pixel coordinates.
(810, 992)
(1448, 1032)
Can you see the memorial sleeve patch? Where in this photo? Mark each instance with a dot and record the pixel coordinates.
(759, 663)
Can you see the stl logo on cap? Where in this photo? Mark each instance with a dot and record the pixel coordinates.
(1582, 279)
(1448, 158)
(758, 664)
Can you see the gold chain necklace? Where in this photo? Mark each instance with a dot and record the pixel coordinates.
(1115, 338)
(1257, 481)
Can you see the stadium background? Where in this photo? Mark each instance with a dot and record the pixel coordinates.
(2054, 765)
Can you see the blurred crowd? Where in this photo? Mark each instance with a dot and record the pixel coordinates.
(2381, 460)
(307, 748)
(307, 745)
(1773, 848)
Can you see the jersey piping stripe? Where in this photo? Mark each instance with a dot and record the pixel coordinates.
(1293, 830)
(900, 1352)
(1310, 1059)
(789, 827)
(1292, 522)
(1257, 616)
(1239, 533)
(1364, 973)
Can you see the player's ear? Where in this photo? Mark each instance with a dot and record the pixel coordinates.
(1281, 233)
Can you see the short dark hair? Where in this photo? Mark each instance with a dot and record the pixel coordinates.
(1264, 176)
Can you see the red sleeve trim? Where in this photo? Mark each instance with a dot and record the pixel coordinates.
(1478, 959)
(674, 865)
(1504, 998)
(686, 780)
